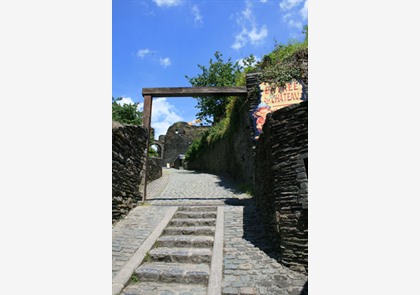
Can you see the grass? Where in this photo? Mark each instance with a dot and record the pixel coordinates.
(147, 257)
(144, 204)
(134, 278)
(246, 188)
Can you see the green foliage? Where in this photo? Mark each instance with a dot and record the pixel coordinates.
(147, 257)
(226, 127)
(246, 188)
(127, 113)
(134, 278)
(218, 74)
(249, 66)
(283, 63)
(153, 152)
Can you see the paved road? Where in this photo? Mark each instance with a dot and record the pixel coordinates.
(249, 265)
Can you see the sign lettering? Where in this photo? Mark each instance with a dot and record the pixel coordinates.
(273, 98)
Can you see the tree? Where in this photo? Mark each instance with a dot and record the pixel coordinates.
(126, 113)
(218, 74)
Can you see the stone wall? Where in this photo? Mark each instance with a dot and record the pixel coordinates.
(128, 158)
(234, 155)
(281, 182)
(154, 170)
(178, 143)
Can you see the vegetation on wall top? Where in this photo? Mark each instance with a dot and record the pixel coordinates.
(284, 63)
(278, 67)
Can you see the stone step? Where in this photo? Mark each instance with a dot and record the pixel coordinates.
(197, 209)
(185, 241)
(182, 255)
(190, 230)
(192, 222)
(181, 273)
(148, 288)
(179, 202)
(184, 214)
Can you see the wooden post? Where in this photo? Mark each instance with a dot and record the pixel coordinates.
(147, 111)
(147, 116)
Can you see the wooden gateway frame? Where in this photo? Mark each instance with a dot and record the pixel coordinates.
(150, 93)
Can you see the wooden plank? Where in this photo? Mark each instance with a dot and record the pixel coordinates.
(147, 111)
(195, 91)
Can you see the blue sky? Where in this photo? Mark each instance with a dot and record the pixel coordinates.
(155, 43)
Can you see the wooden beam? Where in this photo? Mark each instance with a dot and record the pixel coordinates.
(147, 111)
(147, 119)
(194, 91)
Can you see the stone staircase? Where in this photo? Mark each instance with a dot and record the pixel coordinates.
(179, 263)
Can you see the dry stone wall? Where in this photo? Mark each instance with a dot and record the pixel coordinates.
(281, 182)
(128, 158)
(154, 170)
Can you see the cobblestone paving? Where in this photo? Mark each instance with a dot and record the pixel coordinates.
(247, 266)
(156, 187)
(130, 232)
(191, 188)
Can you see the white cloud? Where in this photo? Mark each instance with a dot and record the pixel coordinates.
(304, 10)
(167, 3)
(240, 40)
(255, 37)
(198, 18)
(125, 100)
(163, 116)
(165, 62)
(294, 12)
(289, 4)
(247, 13)
(143, 52)
(294, 24)
(287, 16)
(250, 32)
(263, 1)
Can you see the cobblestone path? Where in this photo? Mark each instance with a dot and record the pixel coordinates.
(129, 233)
(183, 187)
(248, 264)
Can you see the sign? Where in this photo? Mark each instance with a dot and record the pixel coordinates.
(279, 97)
(273, 98)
